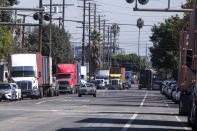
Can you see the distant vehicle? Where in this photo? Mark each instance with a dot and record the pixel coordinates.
(117, 78)
(7, 92)
(32, 73)
(18, 91)
(128, 76)
(70, 73)
(171, 88)
(83, 75)
(96, 83)
(87, 89)
(175, 92)
(103, 76)
(65, 87)
(145, 80)
(156, 85)
(56, 87)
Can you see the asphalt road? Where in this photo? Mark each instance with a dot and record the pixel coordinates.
(127, 110)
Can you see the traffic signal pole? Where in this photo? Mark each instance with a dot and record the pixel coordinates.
(40, 28)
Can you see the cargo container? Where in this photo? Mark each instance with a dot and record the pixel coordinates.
(145, 79)
(117, 78)
(33, 74)
(69, 73)
(128, 77)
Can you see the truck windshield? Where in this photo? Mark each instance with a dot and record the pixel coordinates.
(64, 76)
(23, 74)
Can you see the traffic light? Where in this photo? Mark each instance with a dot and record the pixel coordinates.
(36, 16)
(47, 17)
(129, 1)
(143, 2)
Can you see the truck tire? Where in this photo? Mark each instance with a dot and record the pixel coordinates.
(181, 113)
(41, 92)
(51, 92)
(94, 95)
(79, 95)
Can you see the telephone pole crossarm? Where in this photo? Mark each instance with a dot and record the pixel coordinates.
(24, 9)
(162, 10)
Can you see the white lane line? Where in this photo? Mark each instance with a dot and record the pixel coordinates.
(179, 120)
(128, 125)
(38, 103)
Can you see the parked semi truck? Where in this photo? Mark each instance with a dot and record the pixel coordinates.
(33, 74)
(70, 74)
(117, 78)
(128, 76)
(145, 79)
(187, 75)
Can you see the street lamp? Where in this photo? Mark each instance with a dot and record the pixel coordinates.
(140, 24)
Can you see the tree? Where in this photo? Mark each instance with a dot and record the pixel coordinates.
(131, 62)
(61, 48)
(5, 31)
(165, 38)
(94, 51)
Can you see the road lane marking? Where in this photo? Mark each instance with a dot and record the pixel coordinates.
(128, 125)
(179, 120)
(38, 103)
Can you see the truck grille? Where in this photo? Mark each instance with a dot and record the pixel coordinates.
(24, 85)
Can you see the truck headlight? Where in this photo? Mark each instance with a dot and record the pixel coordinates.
(35, 88)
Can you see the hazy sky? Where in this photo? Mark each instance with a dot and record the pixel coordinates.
(116, 11)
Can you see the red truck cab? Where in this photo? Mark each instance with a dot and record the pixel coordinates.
(67, 72)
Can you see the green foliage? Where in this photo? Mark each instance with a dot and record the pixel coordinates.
(94, 51)
(131, 62)
(5, 42)
(61, 48)
(165, 40)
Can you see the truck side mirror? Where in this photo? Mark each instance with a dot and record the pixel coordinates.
(189, 58)
(39, 74)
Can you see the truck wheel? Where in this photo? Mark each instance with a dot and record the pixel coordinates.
(94, 95)
(180, 108)
(41, 93)
(79, 95)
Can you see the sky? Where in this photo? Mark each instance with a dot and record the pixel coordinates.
(115, 11)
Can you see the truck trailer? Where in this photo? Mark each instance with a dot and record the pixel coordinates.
(145, 79)
(188, 71)
(33, 74)
(128, 76)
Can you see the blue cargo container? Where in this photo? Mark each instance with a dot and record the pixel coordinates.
(128, 76)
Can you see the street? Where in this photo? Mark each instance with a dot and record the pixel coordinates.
(111, 110)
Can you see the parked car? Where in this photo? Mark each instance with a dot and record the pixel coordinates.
(7, 92)
(87, 89)
(171, 88)
(156, 85)
(174, 93)
(18, 91)
(56, 86)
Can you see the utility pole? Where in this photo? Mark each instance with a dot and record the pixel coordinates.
(146, 50)
(110, 30)
(50, 37)
(108, 43)
(95, 16)
(90, 65)
(63, 14)
(104, 33)
(40, 27)
(23, 31)
(83, 39)
(89, 22)
(99, 23)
